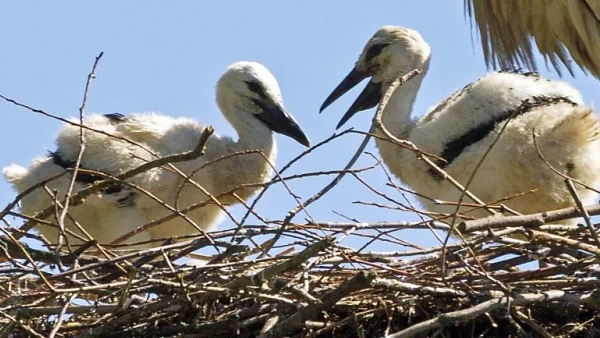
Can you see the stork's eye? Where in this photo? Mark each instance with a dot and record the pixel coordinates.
(374, 51)
(256, 88)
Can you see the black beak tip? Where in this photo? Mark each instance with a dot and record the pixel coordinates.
(303, 140)
(344, 119)
(323, 106)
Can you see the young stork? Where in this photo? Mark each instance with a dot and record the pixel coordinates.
(248, 96)
(462, 128)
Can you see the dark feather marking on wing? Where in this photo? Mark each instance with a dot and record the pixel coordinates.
(116, 117)
(455, 147)
(83, 177)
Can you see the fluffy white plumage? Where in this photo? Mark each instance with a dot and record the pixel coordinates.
(461, 129)
(248, 96)
(558, 28)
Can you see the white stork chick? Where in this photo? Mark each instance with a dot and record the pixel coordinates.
(248, 96)
(558, 27)
(462, 128)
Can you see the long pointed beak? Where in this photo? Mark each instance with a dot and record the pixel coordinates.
(368, 98)
(351, 80)
(280, 121)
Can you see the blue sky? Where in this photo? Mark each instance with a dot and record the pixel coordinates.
(167, 56)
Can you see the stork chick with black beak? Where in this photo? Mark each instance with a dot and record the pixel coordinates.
(464, 126)
(248, 96)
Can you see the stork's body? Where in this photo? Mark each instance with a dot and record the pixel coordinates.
(463, 127)
(249, 98)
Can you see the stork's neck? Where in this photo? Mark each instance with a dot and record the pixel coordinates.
(396, 116)
(253, 134)
(397, 120)
(245, 168)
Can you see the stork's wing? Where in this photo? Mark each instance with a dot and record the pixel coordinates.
(559, 28)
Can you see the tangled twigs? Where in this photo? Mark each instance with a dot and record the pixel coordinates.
(299, 291)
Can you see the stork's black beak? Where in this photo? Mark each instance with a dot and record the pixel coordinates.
(280, 121)
(369, 97)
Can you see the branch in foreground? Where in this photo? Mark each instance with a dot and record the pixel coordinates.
(360, 281)
(455, 317)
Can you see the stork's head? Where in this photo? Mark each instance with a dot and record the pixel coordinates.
(391, 53)
(247, 90)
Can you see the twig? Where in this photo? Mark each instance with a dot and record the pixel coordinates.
(65, 207)
(358, 282)
(61, 314)
(455, 317)
(529, 221)
(586, 216)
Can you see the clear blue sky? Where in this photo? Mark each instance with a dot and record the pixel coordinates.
(167, 56)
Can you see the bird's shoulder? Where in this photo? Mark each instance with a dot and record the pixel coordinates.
(498, 92)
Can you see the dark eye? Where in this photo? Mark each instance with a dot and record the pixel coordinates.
(256, 88)
(374, 51)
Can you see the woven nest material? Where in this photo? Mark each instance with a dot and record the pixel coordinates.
(312, 288)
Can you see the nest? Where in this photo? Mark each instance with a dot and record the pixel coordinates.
(312, 288)
(284, 278)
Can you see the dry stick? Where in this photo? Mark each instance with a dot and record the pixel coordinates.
(61, 315)
(543, 237)
(415, 289)
(456, 317)
(569, 182)
(401, 192)
(65, 208)
(535, 326)
(301, 206)
(28, 312)
(358, 282)
(291, 214)
(43, 222)
(29, 190)
(29, 258)
(287, 166)
(277, 179)
(527, 221)
(342, 322)
(43, 256)
(586, 216)
(24, 326)
(270, 272)
(88, 237)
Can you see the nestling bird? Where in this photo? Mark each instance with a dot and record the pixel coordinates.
(558, 28)
(248, 96)
(462, 128)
